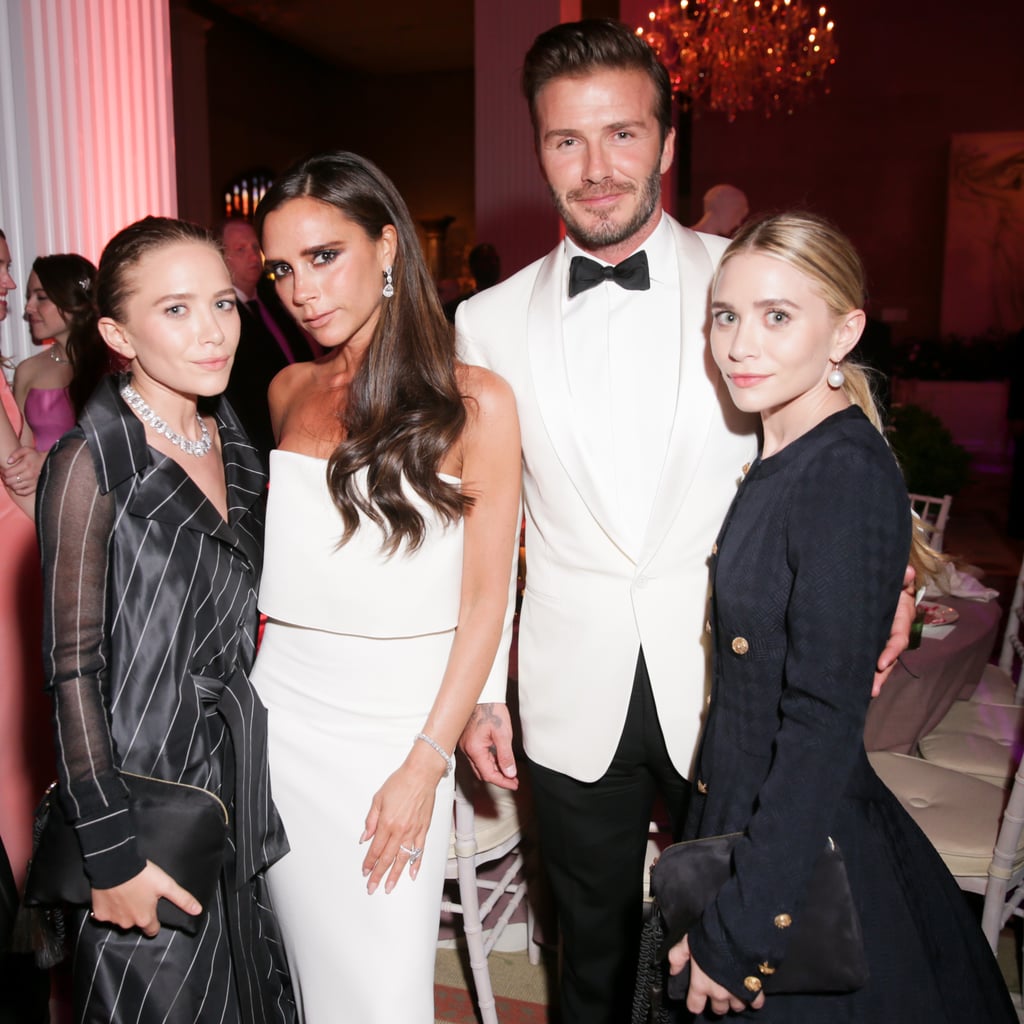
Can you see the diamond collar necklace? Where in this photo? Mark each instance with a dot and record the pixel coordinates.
(145, 413)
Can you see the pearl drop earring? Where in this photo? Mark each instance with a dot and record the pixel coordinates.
(836, 379)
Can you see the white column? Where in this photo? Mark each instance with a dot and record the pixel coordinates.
(86, 127)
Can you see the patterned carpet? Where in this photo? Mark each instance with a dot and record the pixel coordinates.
(520, 989)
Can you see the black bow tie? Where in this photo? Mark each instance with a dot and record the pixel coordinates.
(632, 274)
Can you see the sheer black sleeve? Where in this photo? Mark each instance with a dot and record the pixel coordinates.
(76, 524)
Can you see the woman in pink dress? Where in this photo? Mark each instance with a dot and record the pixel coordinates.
(26, 750)
(52, 386)
(23, 720)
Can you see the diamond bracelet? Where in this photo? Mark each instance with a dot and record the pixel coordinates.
(449, 759)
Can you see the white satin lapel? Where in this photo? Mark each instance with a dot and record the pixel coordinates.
(697, 399)
(551, 386)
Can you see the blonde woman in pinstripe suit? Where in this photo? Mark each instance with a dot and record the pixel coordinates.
(151, 554)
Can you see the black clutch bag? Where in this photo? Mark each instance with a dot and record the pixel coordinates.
(825, 951)
(181, 828)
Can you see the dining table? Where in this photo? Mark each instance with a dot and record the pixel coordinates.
(926, 681)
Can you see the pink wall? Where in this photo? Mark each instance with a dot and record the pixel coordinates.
(873, 154)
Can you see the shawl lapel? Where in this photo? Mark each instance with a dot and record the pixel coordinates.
(551, 386)
(696, 396)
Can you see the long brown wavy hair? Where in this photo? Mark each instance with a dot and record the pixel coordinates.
(404, 410)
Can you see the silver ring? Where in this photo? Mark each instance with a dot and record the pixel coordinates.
(413, 853)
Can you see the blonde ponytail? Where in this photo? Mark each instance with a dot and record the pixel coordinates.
(926, 561)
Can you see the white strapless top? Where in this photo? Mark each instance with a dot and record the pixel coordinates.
(308, 580)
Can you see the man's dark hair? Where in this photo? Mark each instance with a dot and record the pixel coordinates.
(596, 44)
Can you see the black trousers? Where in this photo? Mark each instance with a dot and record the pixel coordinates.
(593, 839)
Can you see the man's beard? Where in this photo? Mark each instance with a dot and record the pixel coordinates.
(605, 232)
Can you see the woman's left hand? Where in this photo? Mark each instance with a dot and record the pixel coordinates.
(399, 817)
(704, 990)
(21, 473)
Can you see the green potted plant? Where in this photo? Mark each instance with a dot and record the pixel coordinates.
(932, 462)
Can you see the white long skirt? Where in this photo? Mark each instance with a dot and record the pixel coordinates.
(343, 712)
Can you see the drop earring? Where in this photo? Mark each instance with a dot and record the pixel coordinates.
(389, 287)
(836, 379)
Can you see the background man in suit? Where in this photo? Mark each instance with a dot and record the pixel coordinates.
(270, 337)
(632, 451)
(485, 266)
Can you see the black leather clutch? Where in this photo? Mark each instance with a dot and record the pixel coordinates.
(179, 827)
(825, 952)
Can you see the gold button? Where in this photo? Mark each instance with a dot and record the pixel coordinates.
(714, 549)
(746, 468)
(752, 984)
(766, 968)
(707, 626)
(702, 787)
(783, 921)
(740, 645)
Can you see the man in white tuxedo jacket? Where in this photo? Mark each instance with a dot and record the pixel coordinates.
(632, 451)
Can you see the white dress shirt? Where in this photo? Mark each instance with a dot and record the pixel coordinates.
(622, 354)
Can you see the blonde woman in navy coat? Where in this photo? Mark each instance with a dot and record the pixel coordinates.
(151, 543)
(806, 573)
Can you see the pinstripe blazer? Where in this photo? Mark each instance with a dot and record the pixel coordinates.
(149, 632)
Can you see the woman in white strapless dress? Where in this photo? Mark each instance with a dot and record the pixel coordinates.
(388, 584)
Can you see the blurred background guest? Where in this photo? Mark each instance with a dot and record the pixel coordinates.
(26, 755)
(271, 340)
(52, 387)
(485, 266)
(725, 209)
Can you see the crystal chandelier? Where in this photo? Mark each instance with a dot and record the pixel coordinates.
(740, 55)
